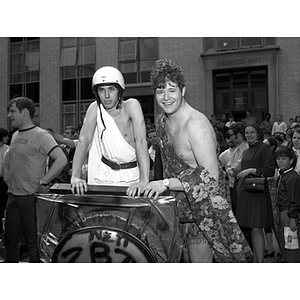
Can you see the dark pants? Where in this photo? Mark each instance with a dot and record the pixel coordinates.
(20, 220)
(3, 201)
(233, 198)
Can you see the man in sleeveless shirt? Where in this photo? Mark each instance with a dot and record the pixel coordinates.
(114, 137)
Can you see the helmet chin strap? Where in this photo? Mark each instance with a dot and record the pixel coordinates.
(119, 103)
(99, 102)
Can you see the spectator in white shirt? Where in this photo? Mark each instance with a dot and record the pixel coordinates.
(226, 156)
(230, 122)
(279, 126)
(233, 167)
(236, 132)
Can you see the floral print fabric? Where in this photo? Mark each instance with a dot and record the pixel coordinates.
(206, 213)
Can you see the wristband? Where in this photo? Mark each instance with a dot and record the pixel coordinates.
(166, 183)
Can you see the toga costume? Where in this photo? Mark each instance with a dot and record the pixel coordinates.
(108, 151)
(203, 211)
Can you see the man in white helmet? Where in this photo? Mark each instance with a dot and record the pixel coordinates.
(114, 137)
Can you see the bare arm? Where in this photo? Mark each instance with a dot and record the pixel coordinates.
(60, 161)
(85, 138)
(6, 167)
(139, 131)
(203, 144)
(62, 140)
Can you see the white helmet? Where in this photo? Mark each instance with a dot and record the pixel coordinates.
(106, 75)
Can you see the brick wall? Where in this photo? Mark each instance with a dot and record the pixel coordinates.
(50, 92)
(106, 52)
(289, 77)
(186, 52)
(3, 81)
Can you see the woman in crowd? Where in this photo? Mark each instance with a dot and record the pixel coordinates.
(254, 210)
(296, 122)
(296, 147)
(289, 134)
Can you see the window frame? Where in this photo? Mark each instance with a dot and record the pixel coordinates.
(21, 76)
(210, 44)
(80, 73)
(135, 60)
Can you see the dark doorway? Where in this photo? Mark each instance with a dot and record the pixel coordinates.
(238, 90)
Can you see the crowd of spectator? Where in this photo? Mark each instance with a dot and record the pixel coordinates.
(280, 137)
(278, 129)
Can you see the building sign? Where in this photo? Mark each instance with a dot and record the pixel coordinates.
(239, 61)
(240, 103)
(101, 245)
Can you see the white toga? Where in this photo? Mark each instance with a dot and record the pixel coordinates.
(115, 148)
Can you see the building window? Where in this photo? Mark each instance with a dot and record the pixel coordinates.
(251, 42)
(25, 67)
(212, 44)
(137, 56)
(236, 91)
(226, 43)
(77, 62)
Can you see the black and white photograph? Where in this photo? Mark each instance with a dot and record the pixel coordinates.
(161, 134)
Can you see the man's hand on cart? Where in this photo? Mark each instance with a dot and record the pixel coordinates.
(78, 186)
(154, 189)
(136, 189)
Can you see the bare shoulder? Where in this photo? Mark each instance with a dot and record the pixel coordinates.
(198, 119)
(93, 106)
(131, 102)
(90, 117)
(92, 109)
(197, 126)
(133, 107)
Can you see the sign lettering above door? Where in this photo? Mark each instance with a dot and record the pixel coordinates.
(239, 61)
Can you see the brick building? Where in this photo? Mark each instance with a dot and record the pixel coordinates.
(224, 75)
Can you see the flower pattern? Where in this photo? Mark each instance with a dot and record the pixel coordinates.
(203, 202)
